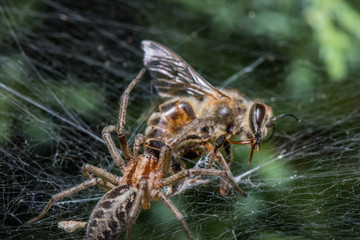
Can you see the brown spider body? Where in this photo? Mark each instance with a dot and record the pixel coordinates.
(109, 219)
(145, 167)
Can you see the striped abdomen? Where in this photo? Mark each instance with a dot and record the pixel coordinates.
(170, 120)
(109, 219)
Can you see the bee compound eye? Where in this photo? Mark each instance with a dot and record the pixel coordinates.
(259, 114)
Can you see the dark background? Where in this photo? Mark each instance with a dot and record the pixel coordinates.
(65, 64)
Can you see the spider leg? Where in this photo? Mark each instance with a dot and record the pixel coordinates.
(57, 197)
(106, 133)
(176, 212)
(135, 209)
(139, 141)
(199, 171)
(194, 124)
(165, 152)
(120, 128)
(101, 173)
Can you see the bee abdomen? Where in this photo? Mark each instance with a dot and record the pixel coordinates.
(178, 113)
(109, 219)
(157, 126)
(171, 119)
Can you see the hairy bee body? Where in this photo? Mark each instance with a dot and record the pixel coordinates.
(173, 115)
(221, 113)
(222, 117)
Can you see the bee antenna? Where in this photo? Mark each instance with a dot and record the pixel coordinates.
(272, 121)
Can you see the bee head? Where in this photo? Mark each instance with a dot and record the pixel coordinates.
(259, 115)
(259, 122)
(257, 119)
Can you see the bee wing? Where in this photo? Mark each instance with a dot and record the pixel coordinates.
(173, 74)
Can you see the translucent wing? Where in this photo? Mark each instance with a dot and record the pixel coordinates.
(173, 74)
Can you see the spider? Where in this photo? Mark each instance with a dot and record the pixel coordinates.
(143, 179)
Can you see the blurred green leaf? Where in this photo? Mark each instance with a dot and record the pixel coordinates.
(18, 16)
(335, 25)
(300, 78)
(79, 98)
(5, 120)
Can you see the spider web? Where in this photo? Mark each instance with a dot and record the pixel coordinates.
(65, 64)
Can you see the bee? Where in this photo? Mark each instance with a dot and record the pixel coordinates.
(222, 114)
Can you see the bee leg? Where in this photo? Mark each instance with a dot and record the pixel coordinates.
(165, 151)
(224, 186)
(215, 154)
(177, 165)
(218, 143)
(227, 148)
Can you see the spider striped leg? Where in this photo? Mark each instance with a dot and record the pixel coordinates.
(106, 133)
(176, 212)
(59, 196)
(135, 209)
(109, 178)
(199, 171)
(165, 152)
(120, 128)
(139, 141)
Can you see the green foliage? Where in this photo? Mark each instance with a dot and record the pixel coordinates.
(300, 77)
(336, 29)
(5, 120)
(78, 97)
(332, 38)
(18, 17)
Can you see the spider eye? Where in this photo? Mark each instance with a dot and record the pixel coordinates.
(257, 114)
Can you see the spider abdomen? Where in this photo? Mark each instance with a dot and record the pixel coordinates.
(109, 218)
